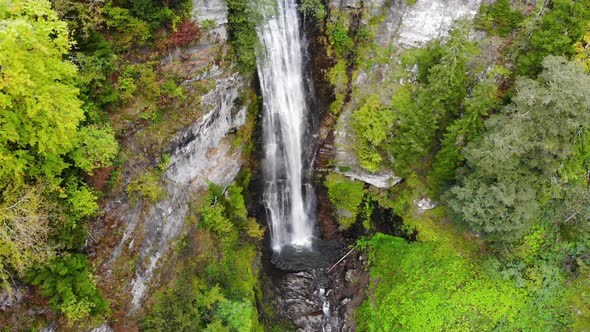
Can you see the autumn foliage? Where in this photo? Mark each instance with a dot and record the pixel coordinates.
(186, 33)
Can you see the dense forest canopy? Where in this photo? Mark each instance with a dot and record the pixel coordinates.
(502, 146)
(47, 145)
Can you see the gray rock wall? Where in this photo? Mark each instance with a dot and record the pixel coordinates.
(401, 26)
(212, 12)
(199, 154)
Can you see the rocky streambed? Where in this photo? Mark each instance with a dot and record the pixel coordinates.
(318, 300)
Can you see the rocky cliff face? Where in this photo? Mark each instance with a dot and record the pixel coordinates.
(199, 154)
(203, 151)
(214, 12)
(396, 25)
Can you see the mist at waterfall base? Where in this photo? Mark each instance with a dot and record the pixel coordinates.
(289, 198)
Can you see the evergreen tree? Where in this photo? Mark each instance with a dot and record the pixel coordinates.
(514, 168)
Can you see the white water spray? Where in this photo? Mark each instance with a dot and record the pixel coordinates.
(281, 79)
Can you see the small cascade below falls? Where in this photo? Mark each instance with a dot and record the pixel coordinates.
(280, 69)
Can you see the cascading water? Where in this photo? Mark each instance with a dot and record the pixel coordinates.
(280, 69)
(302, 291)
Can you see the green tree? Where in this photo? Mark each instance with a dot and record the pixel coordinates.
(97, 147)
(450, 157)
(43, 151)
(128, 30)
(555, 33)
(83, 17)
(242, 34)
(371, 123)
(313, 9)
(499, 18)
(514, 168)
(40, 109)
(424, 114)
(414, 133)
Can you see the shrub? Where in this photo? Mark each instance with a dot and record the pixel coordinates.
(313, 9)
(346, 196)
(372, 124)
(237, 315)
(69, 284)
(128, 30)
(153, 11)
(431, 286)
(342, 42)
(187, 33)
(147, 187)
(97, 148)
(216, 289)
(213, 218)
(561, 27)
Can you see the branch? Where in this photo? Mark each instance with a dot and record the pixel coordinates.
(341, 259)
(573, 215)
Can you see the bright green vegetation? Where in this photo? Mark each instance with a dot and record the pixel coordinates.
(48, 141)
(505, 155)
(496, 131)
(218, 281)
(346, 196)
(339, 80)
(448, 279)
(371, 123)
(428, 286)
(148, 186)
(66, 79)
(313, 9)
(343, 43)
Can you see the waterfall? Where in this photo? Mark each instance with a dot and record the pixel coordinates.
(280, 71)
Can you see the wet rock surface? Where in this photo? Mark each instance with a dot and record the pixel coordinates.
(318, 299)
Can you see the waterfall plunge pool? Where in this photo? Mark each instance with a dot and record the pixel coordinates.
(320, 254)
